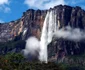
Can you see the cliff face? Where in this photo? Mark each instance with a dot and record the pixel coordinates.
(10, 30)
(31, 23)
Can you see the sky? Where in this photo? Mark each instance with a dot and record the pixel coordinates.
(11, 10)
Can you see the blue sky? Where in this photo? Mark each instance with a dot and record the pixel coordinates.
(13, 9)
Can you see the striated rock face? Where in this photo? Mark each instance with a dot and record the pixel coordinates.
(31, 23)
(10, 30)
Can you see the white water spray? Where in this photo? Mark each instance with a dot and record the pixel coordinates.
(49, 28)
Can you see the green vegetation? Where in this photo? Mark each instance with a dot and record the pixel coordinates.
(12, 59)
(15, 61)
(11, 46)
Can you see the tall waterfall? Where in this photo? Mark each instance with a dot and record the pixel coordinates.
(49, 28)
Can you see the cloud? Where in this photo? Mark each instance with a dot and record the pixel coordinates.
(73, 34)
(43, 4)
(74, 2)
(4, 6)
(46, 4)
(4, 2)
(80, 3)
(1, 21)
(7, 9)
(32, 47)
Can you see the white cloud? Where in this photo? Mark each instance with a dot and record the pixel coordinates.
(4, 6)
(7, 9)
(76, 3)
(73, 34)
(1, 21)
(46, 4)
(4, 2)
(43, 4)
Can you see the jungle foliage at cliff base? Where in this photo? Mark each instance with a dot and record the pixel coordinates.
(16, 61)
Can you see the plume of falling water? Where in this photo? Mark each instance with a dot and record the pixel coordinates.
(43, 42)
(49, 27)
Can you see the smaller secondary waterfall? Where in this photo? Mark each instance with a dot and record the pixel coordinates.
(48, 30)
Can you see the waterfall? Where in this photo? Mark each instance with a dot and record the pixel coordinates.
(49, 28)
